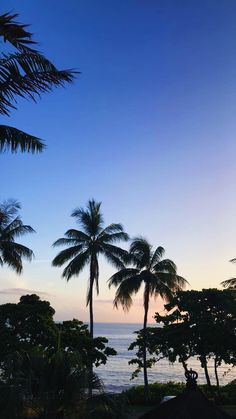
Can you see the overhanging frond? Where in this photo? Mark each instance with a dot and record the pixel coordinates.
(124, 292)
(12, 254)
(14, 139)
(28, 74)
(229, 283)
(14, 32)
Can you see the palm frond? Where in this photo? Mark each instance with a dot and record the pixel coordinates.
(76, 265)
(8, 209)
(16, 229)
(172, 281)
(114, 237)
(63, 241)
(165, 265)
(115, 250)
(112, 228)
(12, 254)
(20, 249)
(66, 254)
(14, 32)
(14, 139)
(140, 251)
(157, 255)
(122, 275)
(229, 283)
(112, 258)
(113, 232)
(13, 260)
(28, 74)
(164, 291)
(77, 234)
(126, 289)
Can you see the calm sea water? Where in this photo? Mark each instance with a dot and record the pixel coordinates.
(117, 372)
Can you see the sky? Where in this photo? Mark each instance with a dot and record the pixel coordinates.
(148, 128)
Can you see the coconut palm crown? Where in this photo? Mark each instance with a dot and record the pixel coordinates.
(84, 246)
(11, 227)
(159, 277)
(24, 72)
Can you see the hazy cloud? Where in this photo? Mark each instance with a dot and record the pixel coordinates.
(20, 291)
(103, 301)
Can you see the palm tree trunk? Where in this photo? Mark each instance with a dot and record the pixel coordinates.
(91, 313)
(91, 282)
(146, 306)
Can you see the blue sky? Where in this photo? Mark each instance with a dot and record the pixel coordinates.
(148, 128)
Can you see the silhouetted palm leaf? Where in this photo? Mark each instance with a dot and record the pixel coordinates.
(28, 74)
(229, 283)
(15, 32)
(14, 139)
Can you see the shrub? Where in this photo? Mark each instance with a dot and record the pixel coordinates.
(157, 391)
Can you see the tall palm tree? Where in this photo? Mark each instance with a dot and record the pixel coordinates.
(23, 73)
(84, 247)
(158, 276)
(230, 283)
(11, 226)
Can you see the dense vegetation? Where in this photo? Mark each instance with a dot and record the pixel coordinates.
(196, 323)
(45, 366)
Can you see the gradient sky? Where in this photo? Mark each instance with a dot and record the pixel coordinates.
(148, 128)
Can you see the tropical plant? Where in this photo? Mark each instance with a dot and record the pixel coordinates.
(11, 227)
(84, 247)
(159, 277)
(45, 367)
(36, 384)
(26, 73)
(191, 315)
(230, 283)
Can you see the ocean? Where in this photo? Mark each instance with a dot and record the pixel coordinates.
(116, 374)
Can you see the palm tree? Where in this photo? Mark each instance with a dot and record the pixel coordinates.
(230, 283)
(84, 247)
(23, 73)
(158, 276)
(11, 226)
